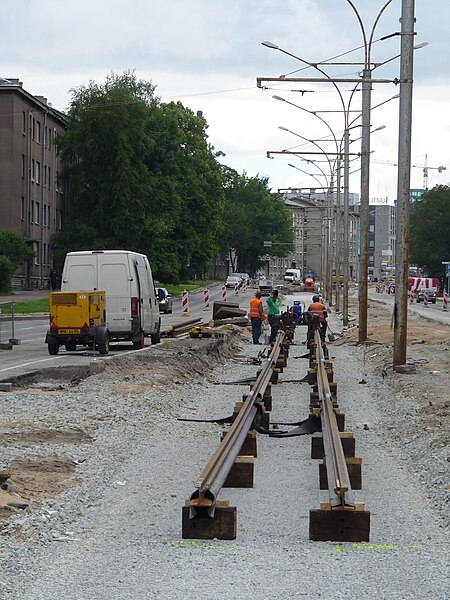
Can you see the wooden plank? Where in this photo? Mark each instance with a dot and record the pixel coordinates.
(339, 525)
(241, 473)
(222, 527)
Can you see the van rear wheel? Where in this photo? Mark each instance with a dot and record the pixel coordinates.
(156, 337)
(139, 343)
(53, 349)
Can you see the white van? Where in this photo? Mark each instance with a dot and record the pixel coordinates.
(132, 309)
(293, 275)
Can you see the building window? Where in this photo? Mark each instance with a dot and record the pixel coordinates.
(32, 212)
(33, 128)
(37, 213)
(22, 166)
(44, 216)
(38, 172)
(32, 169)
(24, 123)
(38, 132)
(371, 228)
(36, 252)
(49, 138)
(49, 176)
(22, 209)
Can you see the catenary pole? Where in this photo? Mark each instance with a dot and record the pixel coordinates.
(403, 184)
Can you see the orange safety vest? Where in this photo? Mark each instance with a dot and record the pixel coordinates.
(255, 310)
(317, 308)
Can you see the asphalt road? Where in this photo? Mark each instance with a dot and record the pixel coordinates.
(31, 353)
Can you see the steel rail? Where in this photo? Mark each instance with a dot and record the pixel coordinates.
(214, 474)
(339, 486)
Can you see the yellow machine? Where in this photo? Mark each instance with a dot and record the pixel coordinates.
(77, 318)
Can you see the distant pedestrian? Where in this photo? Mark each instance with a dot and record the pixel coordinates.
(273, 316)
(54, 280)
(256, 315)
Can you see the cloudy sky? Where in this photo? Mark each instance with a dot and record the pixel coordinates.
(208, 54)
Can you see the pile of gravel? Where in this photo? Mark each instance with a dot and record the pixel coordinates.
(117, 533)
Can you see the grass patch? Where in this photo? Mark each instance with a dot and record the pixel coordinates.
(191, 286)
(28, 307)
(41, 306)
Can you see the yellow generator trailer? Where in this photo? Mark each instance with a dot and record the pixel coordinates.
(77, 318)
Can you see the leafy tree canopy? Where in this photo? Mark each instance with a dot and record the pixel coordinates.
(430, 230)
(253, 215)
(140, 175)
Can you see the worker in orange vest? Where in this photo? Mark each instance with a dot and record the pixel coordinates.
(317, 310)
(256, 315)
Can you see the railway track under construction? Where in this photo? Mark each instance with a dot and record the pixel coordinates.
(341, 517)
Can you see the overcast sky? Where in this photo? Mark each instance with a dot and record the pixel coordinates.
(208, 54)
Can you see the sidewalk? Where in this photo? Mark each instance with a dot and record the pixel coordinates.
(430, 313)
(24, 296)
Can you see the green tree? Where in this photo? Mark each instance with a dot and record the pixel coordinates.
(253, 215)
(6, 273)
(13, 253)
(140, 176)
(430, 230)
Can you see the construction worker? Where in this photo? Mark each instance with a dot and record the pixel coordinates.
(273, 314)
(256, 315)
(317, 311)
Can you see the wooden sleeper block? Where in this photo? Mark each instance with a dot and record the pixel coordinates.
(222, 527)
(339, 525)
(347, 440)
(241, 473)
(354, 466)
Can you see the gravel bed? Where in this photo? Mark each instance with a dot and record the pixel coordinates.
(117, 533)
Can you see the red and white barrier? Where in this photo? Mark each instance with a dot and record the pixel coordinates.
(244, 286)
(206, 299)
(224, 293)
(185, 303)
(425, 298)
(236, 289)
(445, 303)
(411, 297)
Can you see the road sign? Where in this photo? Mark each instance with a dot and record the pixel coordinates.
(267, 244)
(447, 270)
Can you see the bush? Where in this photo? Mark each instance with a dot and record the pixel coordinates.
(6, 272)
(13, 246)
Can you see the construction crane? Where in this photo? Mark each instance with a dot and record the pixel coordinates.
(425, 168)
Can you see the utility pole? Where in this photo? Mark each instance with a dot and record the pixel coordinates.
(403, 184)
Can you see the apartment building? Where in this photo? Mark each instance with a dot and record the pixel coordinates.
(315, 235)
(32, 201)
(382, 238)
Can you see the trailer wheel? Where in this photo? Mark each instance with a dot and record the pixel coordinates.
(103, 348)
(53, 349)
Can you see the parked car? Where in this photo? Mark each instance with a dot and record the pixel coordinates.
(233, 280)
(164, 299)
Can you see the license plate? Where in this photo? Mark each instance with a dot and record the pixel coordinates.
(68, 331)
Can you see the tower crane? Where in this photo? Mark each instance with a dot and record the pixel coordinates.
(425, 168)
